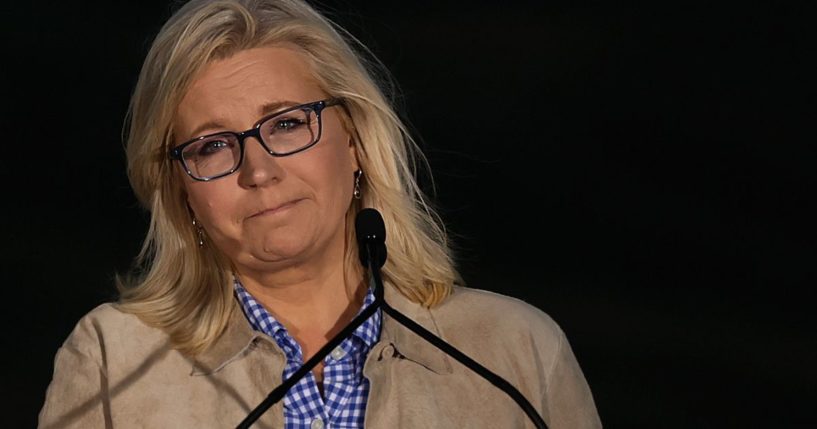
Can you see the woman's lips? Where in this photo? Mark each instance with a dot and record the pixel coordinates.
(276, 209)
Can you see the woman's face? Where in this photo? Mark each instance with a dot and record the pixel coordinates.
(273, 212)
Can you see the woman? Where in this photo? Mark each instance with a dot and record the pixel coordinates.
(250, 263)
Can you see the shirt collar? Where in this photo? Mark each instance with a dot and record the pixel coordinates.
(240, 334)
(256, 314)
(262, 320)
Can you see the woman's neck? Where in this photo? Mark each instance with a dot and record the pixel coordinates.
(313, 302)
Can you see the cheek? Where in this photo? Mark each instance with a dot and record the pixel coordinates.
(211, 205)
(337, 172)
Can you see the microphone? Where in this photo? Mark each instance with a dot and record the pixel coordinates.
(371, 236)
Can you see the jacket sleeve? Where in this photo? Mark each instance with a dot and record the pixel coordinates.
(78, 396)
(568, 399)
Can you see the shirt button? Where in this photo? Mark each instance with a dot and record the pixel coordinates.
(316, 424)
(337, 354)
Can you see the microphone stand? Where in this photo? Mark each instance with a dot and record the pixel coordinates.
(372, 252)
(448, 349)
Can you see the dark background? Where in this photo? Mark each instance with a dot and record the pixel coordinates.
(642, 174)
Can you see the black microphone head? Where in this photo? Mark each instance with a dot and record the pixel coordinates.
(371, 234)
(369, 227)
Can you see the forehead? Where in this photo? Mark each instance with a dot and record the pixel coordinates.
(234, 90)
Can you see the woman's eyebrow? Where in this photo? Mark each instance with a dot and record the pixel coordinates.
(273, 106)
(265, 109)
(206, 126)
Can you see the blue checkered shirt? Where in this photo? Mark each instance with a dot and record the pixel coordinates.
(346, 390)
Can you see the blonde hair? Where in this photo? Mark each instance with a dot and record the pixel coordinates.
(185, 289)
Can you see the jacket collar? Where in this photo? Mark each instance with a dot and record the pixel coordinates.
(407, 343)
(236, 339)
(239, 337)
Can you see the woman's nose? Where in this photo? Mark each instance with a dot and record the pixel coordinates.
(258, 168)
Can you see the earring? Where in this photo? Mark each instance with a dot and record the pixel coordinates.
(358, 174)
(199, 231)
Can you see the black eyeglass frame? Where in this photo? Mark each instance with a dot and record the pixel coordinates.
(315, 106)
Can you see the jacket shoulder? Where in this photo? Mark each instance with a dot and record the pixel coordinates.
(490, 317)
(495, 309)
(107, 328)
(525, 346)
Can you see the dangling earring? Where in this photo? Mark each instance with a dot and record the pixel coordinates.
(358, 174)
(199, 231)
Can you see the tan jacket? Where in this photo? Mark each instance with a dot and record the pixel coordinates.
(115, 371)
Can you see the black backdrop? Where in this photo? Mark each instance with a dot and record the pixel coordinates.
(642, 174)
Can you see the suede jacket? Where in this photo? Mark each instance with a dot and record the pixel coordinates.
(115, 371)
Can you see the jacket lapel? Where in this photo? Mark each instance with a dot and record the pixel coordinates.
(408, 344)
(231, 345)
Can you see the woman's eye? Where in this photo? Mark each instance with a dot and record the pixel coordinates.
(287, 124)
(211, 147)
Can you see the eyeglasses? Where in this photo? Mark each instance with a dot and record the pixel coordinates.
(283, 133)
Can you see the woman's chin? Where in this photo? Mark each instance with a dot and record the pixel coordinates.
(281, 252)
